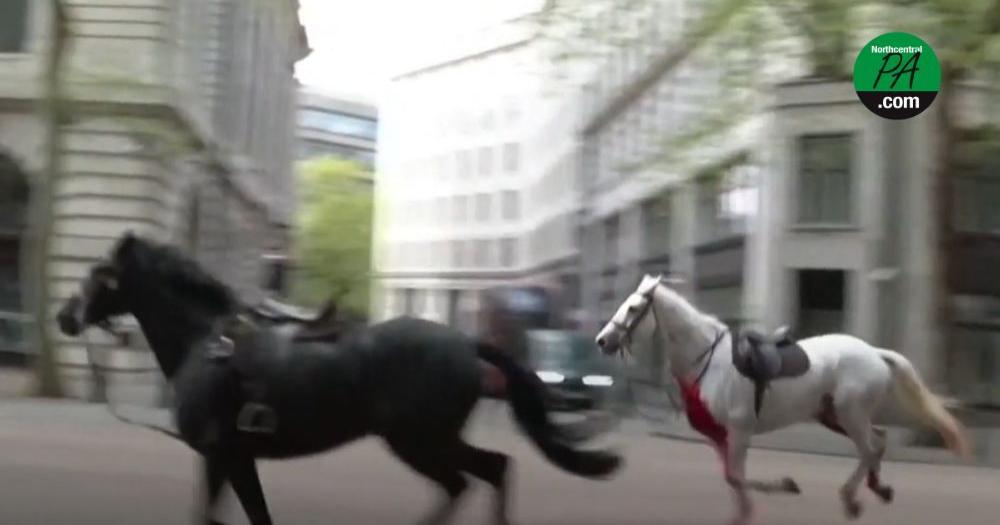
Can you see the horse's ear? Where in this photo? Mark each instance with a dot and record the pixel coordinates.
(674, 280)
(124, 246)
(649, 283)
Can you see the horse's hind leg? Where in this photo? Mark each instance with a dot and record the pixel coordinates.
(884, 492)
(828, 418)
(854, 419)
(491, 467)
(439, 461)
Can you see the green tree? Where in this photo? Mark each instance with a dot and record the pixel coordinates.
(334, 237)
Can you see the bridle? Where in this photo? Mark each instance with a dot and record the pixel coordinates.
(627, 328)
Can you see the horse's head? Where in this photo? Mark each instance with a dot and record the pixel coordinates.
(616, 335)
(141, 274)
(101, 296)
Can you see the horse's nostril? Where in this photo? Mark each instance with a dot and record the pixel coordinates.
(600, 342)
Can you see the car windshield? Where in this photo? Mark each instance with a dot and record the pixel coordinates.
(559, 350)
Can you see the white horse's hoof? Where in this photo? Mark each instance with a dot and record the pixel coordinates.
(885, 493)
(790, 486)
(852, 509)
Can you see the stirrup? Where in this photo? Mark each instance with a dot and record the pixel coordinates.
(257, 418)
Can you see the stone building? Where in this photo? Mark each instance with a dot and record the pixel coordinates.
(181, 129)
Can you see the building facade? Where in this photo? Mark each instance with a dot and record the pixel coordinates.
(804, 210)
(656, 201)
(846, 239)
(180, 128)
(475, 183)
(336, 126)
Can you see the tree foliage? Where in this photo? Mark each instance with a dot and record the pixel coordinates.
(333, 253)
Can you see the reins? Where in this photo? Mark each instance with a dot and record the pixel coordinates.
(710, 352)
(109, 403)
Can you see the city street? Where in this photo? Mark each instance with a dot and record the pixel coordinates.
(66, 463)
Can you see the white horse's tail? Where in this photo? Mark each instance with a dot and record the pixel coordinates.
(922, 403)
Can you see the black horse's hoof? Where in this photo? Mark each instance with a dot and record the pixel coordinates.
(886, 494)
(790, 486)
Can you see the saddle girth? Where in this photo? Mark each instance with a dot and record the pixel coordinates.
(234, 345)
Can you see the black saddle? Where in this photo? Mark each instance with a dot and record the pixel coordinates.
(765, 358)
(247, 342)
(322, 326)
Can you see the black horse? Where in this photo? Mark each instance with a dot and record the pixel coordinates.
(411, 382)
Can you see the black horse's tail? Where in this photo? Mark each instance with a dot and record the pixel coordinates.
(526, 394)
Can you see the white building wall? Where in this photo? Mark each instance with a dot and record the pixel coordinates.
(439, 128)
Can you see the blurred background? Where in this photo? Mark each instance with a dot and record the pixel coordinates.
(511, 168)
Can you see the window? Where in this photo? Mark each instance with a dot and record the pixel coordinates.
(611, 242)
(508, 252)
(460, 208)
(486, 121)
(511, 157)
(481, 253)
(441, 210)
(458, 254)
(511, 110)
(825, 180)
(510, 205)
(485, 161)
(976, 209)
(656, 225)
(820, 302)
(339, 123)
(977, 189)
(464, 163)
(408, 301)
(13, 25)
(483, 207)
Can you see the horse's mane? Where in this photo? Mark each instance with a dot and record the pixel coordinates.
(183, 277)
(687, 309)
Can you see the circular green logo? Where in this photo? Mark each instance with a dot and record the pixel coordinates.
(897, 75)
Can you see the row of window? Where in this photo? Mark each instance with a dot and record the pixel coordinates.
(664, 21)
(460, 209)
(456, 254)
(724, 205)
(481, 162)
(339, 123)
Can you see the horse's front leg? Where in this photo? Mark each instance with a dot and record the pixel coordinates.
(734, 463)
(246, 483)
(734, 459)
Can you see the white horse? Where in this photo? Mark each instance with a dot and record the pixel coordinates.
(846, 381)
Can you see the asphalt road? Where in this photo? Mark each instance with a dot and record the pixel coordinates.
(64, 464)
